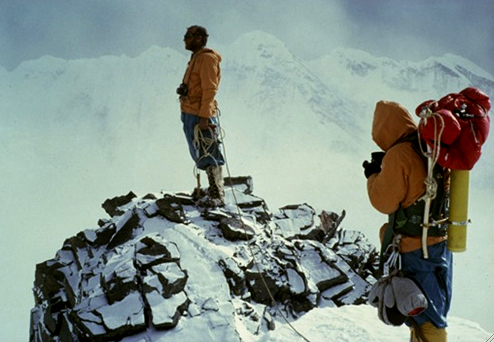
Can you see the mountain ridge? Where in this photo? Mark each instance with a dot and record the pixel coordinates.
(258, 69)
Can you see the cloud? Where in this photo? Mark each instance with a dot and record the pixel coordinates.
(395, 29)
(419, 29)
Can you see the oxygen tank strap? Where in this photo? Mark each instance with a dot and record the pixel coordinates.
(460, 223)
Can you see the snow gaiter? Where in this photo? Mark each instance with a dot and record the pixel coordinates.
(216, 185)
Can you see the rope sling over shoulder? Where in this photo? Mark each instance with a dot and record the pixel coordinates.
(428, 216)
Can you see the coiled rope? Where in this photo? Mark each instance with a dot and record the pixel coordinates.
(204, 144)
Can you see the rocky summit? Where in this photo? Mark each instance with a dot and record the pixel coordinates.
(163, 269)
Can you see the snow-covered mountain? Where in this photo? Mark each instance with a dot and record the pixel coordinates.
(75, 132)
(264, 86)
(431, 78)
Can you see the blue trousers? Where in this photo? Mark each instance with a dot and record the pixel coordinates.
(435, 276)
(203, 155)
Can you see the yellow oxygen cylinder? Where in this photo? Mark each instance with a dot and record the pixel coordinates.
(458, 210)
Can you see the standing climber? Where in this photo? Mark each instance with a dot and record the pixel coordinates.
(395, 184)
(199, 112)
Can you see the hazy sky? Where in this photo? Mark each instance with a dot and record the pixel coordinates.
(409, 30)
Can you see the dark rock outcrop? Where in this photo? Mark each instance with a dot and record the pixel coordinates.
(149, 265)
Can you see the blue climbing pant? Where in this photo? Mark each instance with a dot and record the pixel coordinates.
(434, 275)
(205, 150)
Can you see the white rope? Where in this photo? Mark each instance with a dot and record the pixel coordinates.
(203, 144)
(432, 155)
(256, 264)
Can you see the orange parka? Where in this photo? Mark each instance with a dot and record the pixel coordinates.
(202, 78)
(401, 179)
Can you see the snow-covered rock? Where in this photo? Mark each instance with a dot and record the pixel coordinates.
(238, 270)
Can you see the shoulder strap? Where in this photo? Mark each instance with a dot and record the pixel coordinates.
(190, 72)
(439, 202)
(438, 206)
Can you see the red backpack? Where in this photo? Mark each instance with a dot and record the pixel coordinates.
(466, 127)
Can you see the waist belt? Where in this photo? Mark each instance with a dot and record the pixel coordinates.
(409, 221)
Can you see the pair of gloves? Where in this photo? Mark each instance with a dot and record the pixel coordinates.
(374, 165)
(397, 297)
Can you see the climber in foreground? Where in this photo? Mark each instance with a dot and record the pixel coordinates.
(421, 181)
(395, 184)
(199, 113)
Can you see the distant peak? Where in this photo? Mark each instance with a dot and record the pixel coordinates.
(256, 45)
(453, 61)
(257, 37)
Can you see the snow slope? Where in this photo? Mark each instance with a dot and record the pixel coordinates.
(358, 324)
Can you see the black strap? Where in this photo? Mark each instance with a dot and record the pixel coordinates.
(191, 69)
(409, 221)
(193, 59)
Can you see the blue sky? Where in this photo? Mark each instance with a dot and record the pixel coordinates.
(403, 30)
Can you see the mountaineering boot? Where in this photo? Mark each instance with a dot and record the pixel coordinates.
(216, 191)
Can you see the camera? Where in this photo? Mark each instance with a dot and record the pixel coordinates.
(377, 157)
(182, 89)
